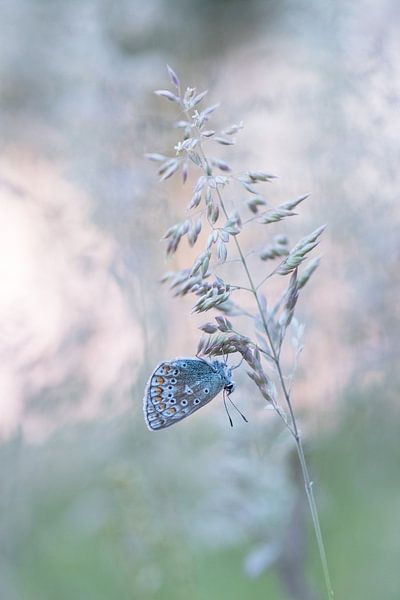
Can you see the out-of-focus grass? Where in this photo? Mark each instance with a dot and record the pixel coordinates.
(358, 469)
(74, 520)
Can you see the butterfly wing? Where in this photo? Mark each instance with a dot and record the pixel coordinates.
(178, 388)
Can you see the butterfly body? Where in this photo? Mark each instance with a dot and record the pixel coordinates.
(179, 387)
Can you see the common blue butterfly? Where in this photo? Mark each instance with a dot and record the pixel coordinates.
(179, 387)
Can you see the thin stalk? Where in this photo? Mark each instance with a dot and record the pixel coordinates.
(293, 428)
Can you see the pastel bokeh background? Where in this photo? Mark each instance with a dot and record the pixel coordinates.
(93, 506)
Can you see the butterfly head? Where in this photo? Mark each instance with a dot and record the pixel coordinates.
(226, 375)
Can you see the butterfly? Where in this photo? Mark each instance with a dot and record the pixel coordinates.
(179, 387)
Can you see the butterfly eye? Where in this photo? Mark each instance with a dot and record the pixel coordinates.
(184, 402)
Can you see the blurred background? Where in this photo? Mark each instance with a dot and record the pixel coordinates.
(92, 505)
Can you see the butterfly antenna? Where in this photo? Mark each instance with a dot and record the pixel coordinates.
(227, 411)
(234, 405)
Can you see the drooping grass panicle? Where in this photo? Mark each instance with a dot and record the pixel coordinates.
(260, 348)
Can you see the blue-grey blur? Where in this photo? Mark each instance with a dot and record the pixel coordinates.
(93, 506)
